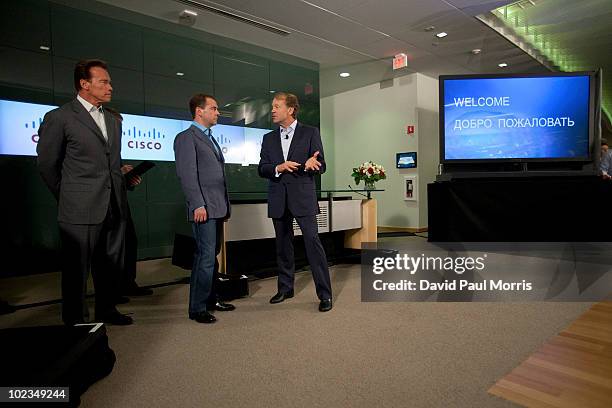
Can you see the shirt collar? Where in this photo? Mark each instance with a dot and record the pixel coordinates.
(88, 106)
(201, 127)
(292, 126)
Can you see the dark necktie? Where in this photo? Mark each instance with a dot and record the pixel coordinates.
(214, 142)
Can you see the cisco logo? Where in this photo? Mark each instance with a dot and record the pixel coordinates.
(142, 145)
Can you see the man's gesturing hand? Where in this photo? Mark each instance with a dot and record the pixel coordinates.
(289, 166)
(313, 163)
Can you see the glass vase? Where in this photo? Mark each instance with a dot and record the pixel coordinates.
(369, 185)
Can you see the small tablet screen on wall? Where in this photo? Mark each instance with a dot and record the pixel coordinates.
(406, 160)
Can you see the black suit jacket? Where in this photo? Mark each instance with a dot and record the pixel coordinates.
(78, 166)
(295, 191)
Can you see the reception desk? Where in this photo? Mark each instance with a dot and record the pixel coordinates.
(343, 220)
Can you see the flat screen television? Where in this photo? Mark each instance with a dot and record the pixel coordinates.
(517, 118)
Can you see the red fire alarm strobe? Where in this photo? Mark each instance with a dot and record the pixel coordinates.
(410, 129)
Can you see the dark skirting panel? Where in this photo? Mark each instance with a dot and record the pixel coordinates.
(527, 209)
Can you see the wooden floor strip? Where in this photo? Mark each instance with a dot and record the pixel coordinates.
(573, 369)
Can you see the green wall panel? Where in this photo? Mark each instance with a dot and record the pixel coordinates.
(241, 70)
(302, 82)
(79, 35)
(166, 54)
(25, 24)
(25, 75)
(164, 221)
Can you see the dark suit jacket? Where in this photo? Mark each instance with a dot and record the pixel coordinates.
(201, 172)
(79, 166)
(297, 190)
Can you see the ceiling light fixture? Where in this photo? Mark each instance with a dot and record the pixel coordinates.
(441, 35)
(476, 51)
(502, 65)
(44, 48)
(180, 74)
(430, 28)
(345, 74)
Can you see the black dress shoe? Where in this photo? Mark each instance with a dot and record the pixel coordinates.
(281, 296)
(325, 305)
(202, 317)
(224, 307)
(137, 291)
(121, 300)
(5, 308)
(115, 318)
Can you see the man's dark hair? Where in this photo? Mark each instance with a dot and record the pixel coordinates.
(199, 101)
(82, 70)
(604, 142)
(290, 100)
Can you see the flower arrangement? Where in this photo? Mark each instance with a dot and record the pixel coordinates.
(370, 173)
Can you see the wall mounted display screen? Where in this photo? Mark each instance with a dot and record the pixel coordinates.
(406, 160)
(516, 117)
(144, 137)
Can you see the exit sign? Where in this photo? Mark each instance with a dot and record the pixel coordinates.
(400, 61)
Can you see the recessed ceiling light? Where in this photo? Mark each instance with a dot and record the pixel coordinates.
(271, 91)
(44, 48)
(192, 13)
(180, 73)
(345, 74)
(476, 51)
(441, 35)
(502, 65)
(227, 104)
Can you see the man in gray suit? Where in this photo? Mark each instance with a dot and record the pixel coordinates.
(79, 159)
(201, 172)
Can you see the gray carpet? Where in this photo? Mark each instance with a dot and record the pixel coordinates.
(357, 355)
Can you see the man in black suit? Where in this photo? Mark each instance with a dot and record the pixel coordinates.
(200, 167)
(290, 158)
(79, 159)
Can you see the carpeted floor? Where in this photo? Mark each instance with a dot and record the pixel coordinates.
(357, 355)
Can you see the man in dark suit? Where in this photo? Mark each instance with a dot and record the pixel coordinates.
(290, 158)
(79, 159)
(200, 167)
(127, 280)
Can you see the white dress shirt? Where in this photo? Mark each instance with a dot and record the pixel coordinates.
(286, 135)
(96, 114)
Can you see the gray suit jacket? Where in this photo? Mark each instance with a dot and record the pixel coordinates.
(201, 172)
(79, 166)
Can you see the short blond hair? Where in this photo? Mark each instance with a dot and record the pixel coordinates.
(290, 100)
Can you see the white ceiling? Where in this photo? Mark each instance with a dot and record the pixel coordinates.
(361, 36)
